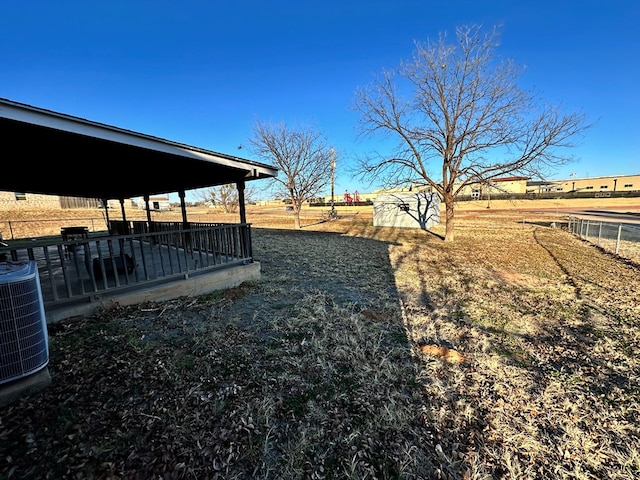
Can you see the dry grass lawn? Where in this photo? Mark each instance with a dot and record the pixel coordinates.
(531, 365)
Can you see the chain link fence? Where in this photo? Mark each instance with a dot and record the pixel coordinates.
(623, 239)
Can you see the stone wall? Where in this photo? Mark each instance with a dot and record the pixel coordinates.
(18, 201)
(29, 201)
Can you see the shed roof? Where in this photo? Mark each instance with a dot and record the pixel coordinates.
(59, 154)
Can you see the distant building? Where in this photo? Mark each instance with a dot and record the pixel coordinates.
(496, 186)
(524, 186)
(613, 183)
(18, 201)
(156, 204)
(115, 204)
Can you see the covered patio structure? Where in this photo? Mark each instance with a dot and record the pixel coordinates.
(59, 154)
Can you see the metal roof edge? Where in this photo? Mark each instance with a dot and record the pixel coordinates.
(51, 119)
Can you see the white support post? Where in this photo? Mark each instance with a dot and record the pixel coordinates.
(599, 233)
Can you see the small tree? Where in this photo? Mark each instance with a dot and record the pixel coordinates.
(465, 115)
(302, 157)
(224, 196)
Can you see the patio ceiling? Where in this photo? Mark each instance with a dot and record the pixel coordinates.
(57, 154)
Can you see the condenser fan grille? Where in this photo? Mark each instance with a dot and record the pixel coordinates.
(23, 334)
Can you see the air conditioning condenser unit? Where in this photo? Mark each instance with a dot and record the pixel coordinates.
(24, 344)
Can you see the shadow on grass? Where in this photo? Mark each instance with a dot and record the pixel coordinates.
(527, 344)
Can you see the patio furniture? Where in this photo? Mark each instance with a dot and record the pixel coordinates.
(73, 233)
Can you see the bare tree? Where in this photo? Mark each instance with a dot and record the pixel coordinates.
(464, 116)
(224, 196)
(300, 154)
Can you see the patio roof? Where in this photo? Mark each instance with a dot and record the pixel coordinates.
(58, 154)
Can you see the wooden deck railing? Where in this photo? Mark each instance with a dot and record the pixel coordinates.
(75, 271)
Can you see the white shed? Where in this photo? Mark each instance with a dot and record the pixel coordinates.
(156, 204)
(407, 210)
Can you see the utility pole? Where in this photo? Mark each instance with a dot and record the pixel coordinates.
(333, 182)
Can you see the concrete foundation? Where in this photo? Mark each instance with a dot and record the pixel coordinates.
(200, 284)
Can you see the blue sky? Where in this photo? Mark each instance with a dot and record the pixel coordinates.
(201, 72)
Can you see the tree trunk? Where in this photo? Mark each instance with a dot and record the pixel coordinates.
(449, 218)
(296, 214)
(296, 208)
